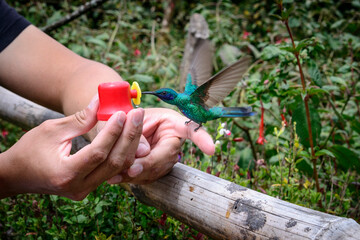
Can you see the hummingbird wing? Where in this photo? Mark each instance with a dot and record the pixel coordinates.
(201, 66)
(220, 85)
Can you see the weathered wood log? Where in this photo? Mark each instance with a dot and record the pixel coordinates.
(216, 207)
(28, 114)
(224, 210)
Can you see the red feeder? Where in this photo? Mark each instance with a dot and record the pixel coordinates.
(116, 96)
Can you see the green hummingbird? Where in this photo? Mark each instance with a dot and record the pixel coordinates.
(202, 91)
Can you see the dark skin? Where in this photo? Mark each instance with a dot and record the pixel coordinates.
(138, 147)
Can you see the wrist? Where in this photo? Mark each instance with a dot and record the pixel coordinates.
(84, 83)
(7, 176)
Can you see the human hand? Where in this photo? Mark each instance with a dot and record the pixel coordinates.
(165, 131)
(40, 162)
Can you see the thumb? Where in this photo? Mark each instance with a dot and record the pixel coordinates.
(81, 122)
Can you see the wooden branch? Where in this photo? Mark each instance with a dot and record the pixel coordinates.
(27, 114)
(77, 13)
(224, 210)
(198, 29)
(216, 207)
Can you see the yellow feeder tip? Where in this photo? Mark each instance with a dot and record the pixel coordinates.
(135, 86)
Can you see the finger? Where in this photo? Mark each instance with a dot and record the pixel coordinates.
(155, 165)
(143, 148)
(81, 122)
(122, 154)
(94, 154)
(200, 138)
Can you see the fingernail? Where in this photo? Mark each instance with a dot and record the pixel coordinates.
(93, 101)
(135, 170)
(138, 117)
(142, 150)
(115, 179)
(121, 118)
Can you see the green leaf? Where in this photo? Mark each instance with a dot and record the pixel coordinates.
(331, 88)
(294, 22)
(114, 57)
(97, 41)
(338, 80)
(356, 3)
(81, 218)
(344, 69)
(315, 197)
(276, 158)
(346, 158)
(123, 47)
(276, 16)
(286, 12)
(288, 49)
(324, 152)
(246, 157)
(270, 52)
(355, 125)
(299, 116)
(55, 17)
(314, 91)
(142, 78)
(304, 165)
(304, 43)
(229, 54)
(314, 73)
(337, 24)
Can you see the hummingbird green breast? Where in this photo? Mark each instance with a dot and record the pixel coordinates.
(193, 111)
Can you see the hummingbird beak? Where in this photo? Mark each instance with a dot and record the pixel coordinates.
(152, 93)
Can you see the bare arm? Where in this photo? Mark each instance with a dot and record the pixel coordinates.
(39, 68)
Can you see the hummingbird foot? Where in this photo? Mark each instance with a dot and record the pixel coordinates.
(187, 122)
(200, 125)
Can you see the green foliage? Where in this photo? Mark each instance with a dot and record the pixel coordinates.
(119, 34)
(299, 116)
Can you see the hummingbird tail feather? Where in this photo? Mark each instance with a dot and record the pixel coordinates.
(237, 112)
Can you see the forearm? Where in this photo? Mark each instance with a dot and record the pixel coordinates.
(41, 69)
(83, 84)
(8, 181)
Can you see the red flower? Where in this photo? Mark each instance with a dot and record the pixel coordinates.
(238, 139)
(245, 35)
(279, 41)
(162, 220)
(137, 52)
(208, 170)
(4, 133)
(284, 119)
(261, 140)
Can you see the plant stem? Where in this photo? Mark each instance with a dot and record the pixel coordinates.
(247, 132)
(306, 100)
